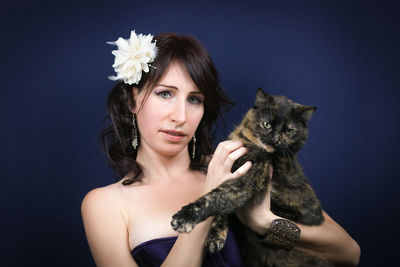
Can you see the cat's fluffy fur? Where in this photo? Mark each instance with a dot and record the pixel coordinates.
(274, 130)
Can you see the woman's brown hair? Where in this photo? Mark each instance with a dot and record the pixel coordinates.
(194, 58)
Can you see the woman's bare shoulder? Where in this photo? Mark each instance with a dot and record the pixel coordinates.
(104, 198)
(100, 194)
(113, 197)
(106, 224)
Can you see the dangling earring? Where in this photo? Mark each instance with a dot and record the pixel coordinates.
(134, 132)
(194, 146)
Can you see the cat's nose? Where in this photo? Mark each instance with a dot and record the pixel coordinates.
(275, 139)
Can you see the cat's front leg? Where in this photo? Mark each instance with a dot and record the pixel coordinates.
(186, 219)
(223, 200)
(218, 233)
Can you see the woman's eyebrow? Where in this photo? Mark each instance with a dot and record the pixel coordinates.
(176, 88)
(169, 86)
(198, 92)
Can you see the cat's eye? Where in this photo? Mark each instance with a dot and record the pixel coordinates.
(266, 124)
(288, 131)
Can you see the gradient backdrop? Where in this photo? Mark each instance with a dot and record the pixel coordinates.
(341, 56)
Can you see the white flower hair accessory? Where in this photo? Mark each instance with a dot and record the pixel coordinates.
(133, 56)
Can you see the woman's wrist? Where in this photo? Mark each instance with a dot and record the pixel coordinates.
(260, 223)
(282, 234)
(273, 230)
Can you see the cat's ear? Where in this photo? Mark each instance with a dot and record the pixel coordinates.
(263, 99)
(306, 112)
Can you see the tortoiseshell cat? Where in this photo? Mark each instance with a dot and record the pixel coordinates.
(273, 130)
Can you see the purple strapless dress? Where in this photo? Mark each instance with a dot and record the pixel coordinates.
(152, 253)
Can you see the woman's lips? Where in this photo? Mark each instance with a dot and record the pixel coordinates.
(172, 135)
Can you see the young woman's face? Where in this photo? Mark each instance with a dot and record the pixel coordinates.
(169, 117)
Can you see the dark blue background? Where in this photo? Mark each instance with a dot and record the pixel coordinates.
(341, 56)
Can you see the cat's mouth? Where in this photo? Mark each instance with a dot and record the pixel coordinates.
(256, 140)
(282, 149)
(269, 148)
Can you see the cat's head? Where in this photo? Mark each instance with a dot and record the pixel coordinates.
(279, 123)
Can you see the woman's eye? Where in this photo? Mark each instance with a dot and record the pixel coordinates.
(195, 100)
(164, 94)
(266, 125)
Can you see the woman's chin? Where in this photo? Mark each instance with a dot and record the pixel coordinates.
(173, 151)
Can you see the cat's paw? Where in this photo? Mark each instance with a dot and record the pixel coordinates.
(215, 245)
(182, 226)
(184, 220)
(217, 236)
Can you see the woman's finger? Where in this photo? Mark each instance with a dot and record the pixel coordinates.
(268, 195)
(233, 156)
(227, 147)
(270, 171)
(242, 170)
(223, 150)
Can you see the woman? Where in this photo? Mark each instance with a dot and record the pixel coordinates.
(160, 141)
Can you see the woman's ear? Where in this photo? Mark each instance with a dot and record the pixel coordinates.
(133, 102)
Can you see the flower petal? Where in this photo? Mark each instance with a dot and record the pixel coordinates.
(133, 57)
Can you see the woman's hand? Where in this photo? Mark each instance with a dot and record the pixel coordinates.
(328, 241)
(219, 169)
(259, 217)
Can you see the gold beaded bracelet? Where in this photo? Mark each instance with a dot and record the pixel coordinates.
(282, 234)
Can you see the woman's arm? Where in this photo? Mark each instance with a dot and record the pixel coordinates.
(189, 249)
(328, 241)
(105, 228)
(107, 234)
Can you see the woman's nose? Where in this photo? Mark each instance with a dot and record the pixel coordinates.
(179, 113)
